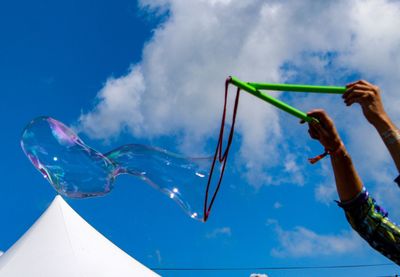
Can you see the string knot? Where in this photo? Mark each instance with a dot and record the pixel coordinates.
(326, 153)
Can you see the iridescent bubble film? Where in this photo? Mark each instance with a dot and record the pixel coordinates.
(76, 170)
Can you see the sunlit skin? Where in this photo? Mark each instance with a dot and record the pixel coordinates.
(368, 96)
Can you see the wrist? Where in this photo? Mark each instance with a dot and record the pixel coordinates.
(337, 150)
(382, 123)
(335, 146)
(391, 136)
(340, 149)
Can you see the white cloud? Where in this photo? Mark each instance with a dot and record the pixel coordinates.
(302, 242)
(118, 108)
(292, 168)
(224, 231)
(375, 47)
(325, 193)
(278, 205)
(177, 87)
(1, 253)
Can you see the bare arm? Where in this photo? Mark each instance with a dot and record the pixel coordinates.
(391, 137)
(368, 96)
(348, 183)
(367, 218)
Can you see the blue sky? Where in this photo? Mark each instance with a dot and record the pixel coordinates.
(153, 73)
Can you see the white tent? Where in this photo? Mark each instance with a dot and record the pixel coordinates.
(61, 243)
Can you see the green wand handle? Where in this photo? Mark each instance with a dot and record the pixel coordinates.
(253, 88)
(299, 88)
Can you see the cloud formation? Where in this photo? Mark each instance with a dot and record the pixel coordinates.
(176, 89)
(224, 231)
(302, 242)
(326, 193)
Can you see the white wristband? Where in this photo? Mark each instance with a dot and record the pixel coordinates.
(391, 136)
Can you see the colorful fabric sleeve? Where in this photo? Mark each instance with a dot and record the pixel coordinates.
(372, 223)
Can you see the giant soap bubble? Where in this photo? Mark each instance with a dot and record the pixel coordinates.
(78, 171)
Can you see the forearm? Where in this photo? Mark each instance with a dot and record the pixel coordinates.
(390, 136)
(348, 183)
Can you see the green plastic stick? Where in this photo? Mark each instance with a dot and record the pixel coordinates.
(299, 88)
(277, 103)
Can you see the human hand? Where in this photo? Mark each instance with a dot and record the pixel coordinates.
(324, 131)
(369, 98)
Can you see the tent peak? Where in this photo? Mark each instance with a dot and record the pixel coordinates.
(61, 243)
(58, 199)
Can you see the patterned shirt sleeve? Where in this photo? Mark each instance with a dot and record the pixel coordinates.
(372, 223)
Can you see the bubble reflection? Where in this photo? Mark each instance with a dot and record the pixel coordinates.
(76, 170)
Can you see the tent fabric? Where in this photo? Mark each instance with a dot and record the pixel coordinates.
(61, 243)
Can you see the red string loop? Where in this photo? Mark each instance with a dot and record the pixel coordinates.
(220, 154)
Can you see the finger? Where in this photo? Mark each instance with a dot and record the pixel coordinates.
(357, 86)
(349, 85)
(320, 131)
(322, 116)
(359, 100)
(314, 121)
(364, 82)
(371, 87)
(356, 93)
(352, 84)
(362, 86)
(316, 112)
(312, 134)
